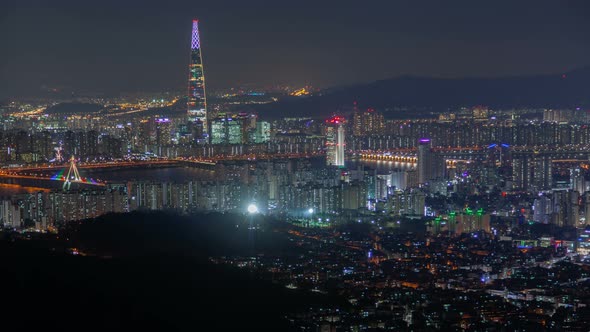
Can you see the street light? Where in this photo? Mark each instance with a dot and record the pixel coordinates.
(252, 208)
(310, 211)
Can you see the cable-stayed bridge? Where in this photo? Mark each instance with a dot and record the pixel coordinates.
(67, 175)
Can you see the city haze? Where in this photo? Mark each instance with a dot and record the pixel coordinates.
(143, 45)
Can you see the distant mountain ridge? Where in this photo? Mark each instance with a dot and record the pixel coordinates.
(567, 90)
(74, 108)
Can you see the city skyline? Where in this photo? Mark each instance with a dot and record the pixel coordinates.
(272, 45)
(142, 197)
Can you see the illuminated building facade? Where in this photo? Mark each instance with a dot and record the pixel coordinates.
(430, 164)
(406, 202)
(335, 141)
(197, 101)
(262, 133)
(368, 122)
(424, 161)
(226, 130)
(565, 208)
(163, 131)
(542, 209)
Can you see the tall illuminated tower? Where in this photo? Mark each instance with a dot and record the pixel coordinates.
(197, 101)
(335, 141)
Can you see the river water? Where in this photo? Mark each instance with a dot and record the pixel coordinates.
(174, 174)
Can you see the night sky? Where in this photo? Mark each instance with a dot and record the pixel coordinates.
(112, 46)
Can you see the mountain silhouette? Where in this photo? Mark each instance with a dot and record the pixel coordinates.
(423, 94)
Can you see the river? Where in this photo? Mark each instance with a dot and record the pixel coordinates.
(176, 174)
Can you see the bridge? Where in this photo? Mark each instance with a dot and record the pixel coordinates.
(451, 156)
(95, 165)
(71, 176)
(162, 162)
(572, 154)
(407, 157)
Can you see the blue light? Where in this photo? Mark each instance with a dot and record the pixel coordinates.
(195, 41)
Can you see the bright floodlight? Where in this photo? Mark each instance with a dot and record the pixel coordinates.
(252, 208)
(310, 210)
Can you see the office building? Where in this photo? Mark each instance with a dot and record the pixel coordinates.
(197, 100)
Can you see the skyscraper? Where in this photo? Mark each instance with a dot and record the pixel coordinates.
(335, 141)
(431, 165)
(197, 101)
(424, 161)
(226, 130)
(369, 122)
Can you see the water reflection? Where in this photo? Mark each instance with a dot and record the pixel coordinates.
(182, 174)
(15, 189)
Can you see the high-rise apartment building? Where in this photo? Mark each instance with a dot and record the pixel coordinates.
(335, 141)
(262, 132)
(369, 122)
(425, 161)
(227, 130)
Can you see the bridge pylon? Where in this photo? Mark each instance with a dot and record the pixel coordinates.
(73, 174)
